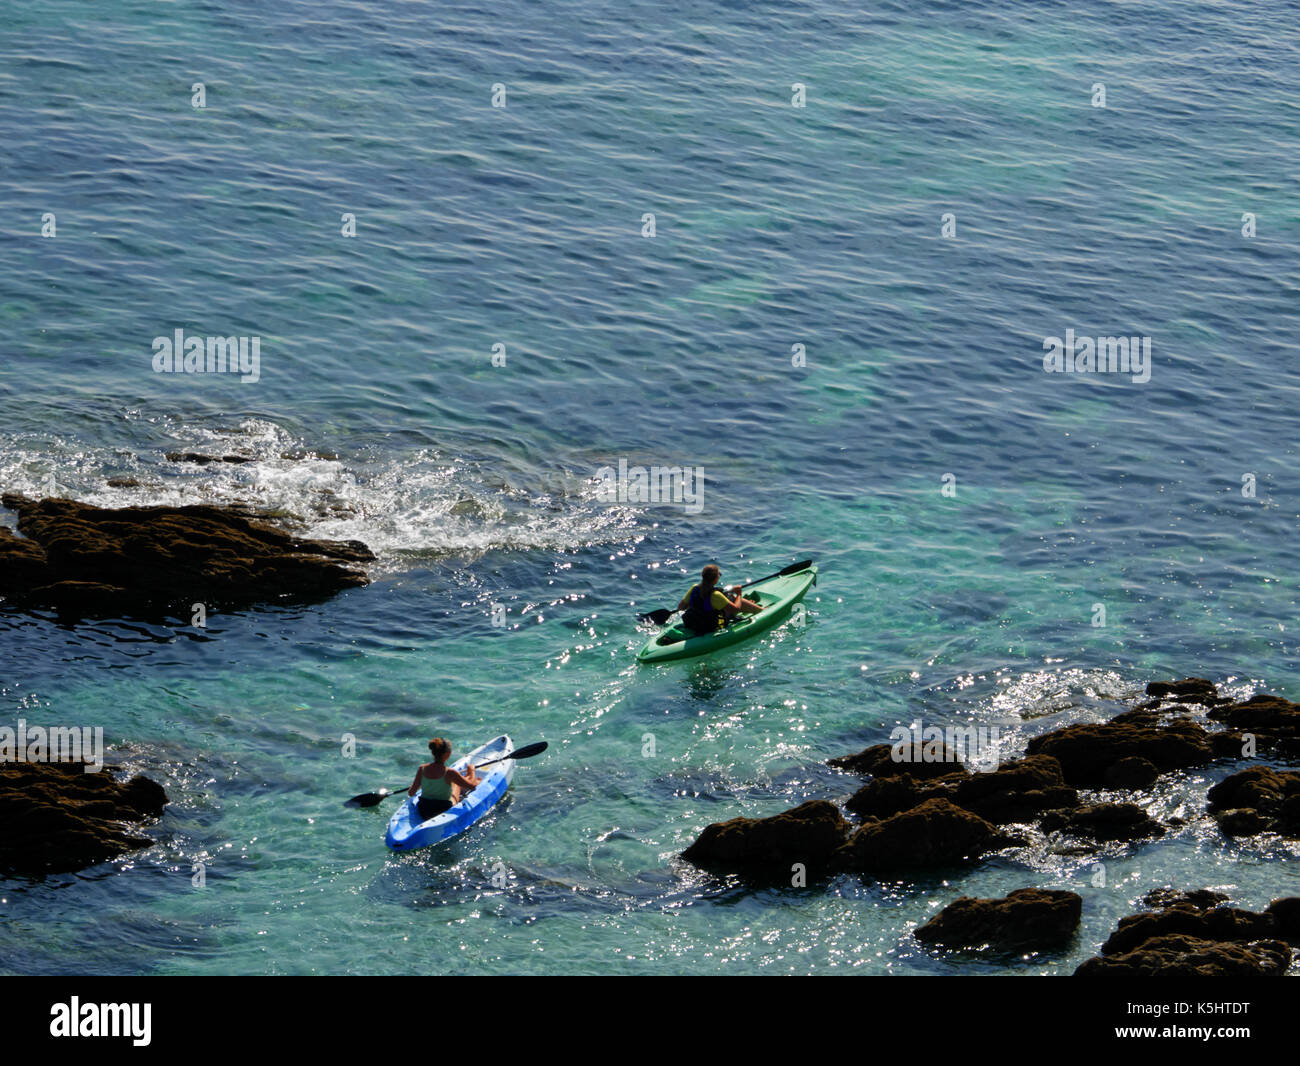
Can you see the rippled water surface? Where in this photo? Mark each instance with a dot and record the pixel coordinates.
(379, 415)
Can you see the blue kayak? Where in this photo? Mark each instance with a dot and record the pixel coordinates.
(406, 830)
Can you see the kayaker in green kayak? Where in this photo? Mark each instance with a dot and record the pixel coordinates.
(706, 608)
(440, 786)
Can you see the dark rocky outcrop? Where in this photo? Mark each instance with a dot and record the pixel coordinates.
(768, 847)
(1242, 822)
(1271, 720)
(921, 808)
(935, 834)
(56, 818)
(1189, 690)
(199, 459)
(1017, 792)
(1028, 919)
(1172, 897)
(1286, 917)
(883, 797)
(881, 760)
(1192, 936)
(1204, 923)
(94, 561)
(1104, 821)
(1257, 800)
(1090, 753)
(1178, 955)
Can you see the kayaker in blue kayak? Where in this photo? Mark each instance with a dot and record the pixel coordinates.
(440, 786)
(706, 608)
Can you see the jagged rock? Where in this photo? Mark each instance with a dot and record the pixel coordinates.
(1273, 721)
(883, 797)
(56, 818)
(199, 459)
(808, 834)
(1194, 937)
(1189, 690)
(94, 561)
(1016, 792)
(935, 834)
(879, 761)
(1087, 752)
(1256, 800)
(1171, 897)
(1186, 956)
(1215, 923)
(1028, 919)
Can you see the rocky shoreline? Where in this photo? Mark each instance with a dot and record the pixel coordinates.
(85, 561)
(90, 562)
(57, 818)
(921, 812)
(1193, 936)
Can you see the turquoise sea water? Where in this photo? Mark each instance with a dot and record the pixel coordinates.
(380, 416)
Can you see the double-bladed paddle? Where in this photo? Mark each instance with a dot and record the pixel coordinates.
(370, 799)
(662, 615)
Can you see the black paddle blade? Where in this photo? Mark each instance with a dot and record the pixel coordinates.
(658, 617)
(368, 799)
(526, 752)
(794, 568)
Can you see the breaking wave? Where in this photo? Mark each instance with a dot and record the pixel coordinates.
(417, 504)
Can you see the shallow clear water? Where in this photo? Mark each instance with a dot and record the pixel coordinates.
(379, 416)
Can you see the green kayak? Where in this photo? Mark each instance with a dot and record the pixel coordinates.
(777, 595)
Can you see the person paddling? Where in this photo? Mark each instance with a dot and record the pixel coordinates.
(440, 787)
(706, 608)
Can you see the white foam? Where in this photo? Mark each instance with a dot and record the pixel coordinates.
(415, 505)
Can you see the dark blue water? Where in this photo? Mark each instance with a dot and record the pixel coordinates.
(378, 414)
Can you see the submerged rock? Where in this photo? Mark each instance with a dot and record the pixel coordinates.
(769, 847)
(1105, 821)
(95, 561)
(199, 459)
(1028, 919)
(1189, 690)
(1170, 897)
(56, 818)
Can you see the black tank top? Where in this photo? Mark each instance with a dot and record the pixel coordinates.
(700, 614)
